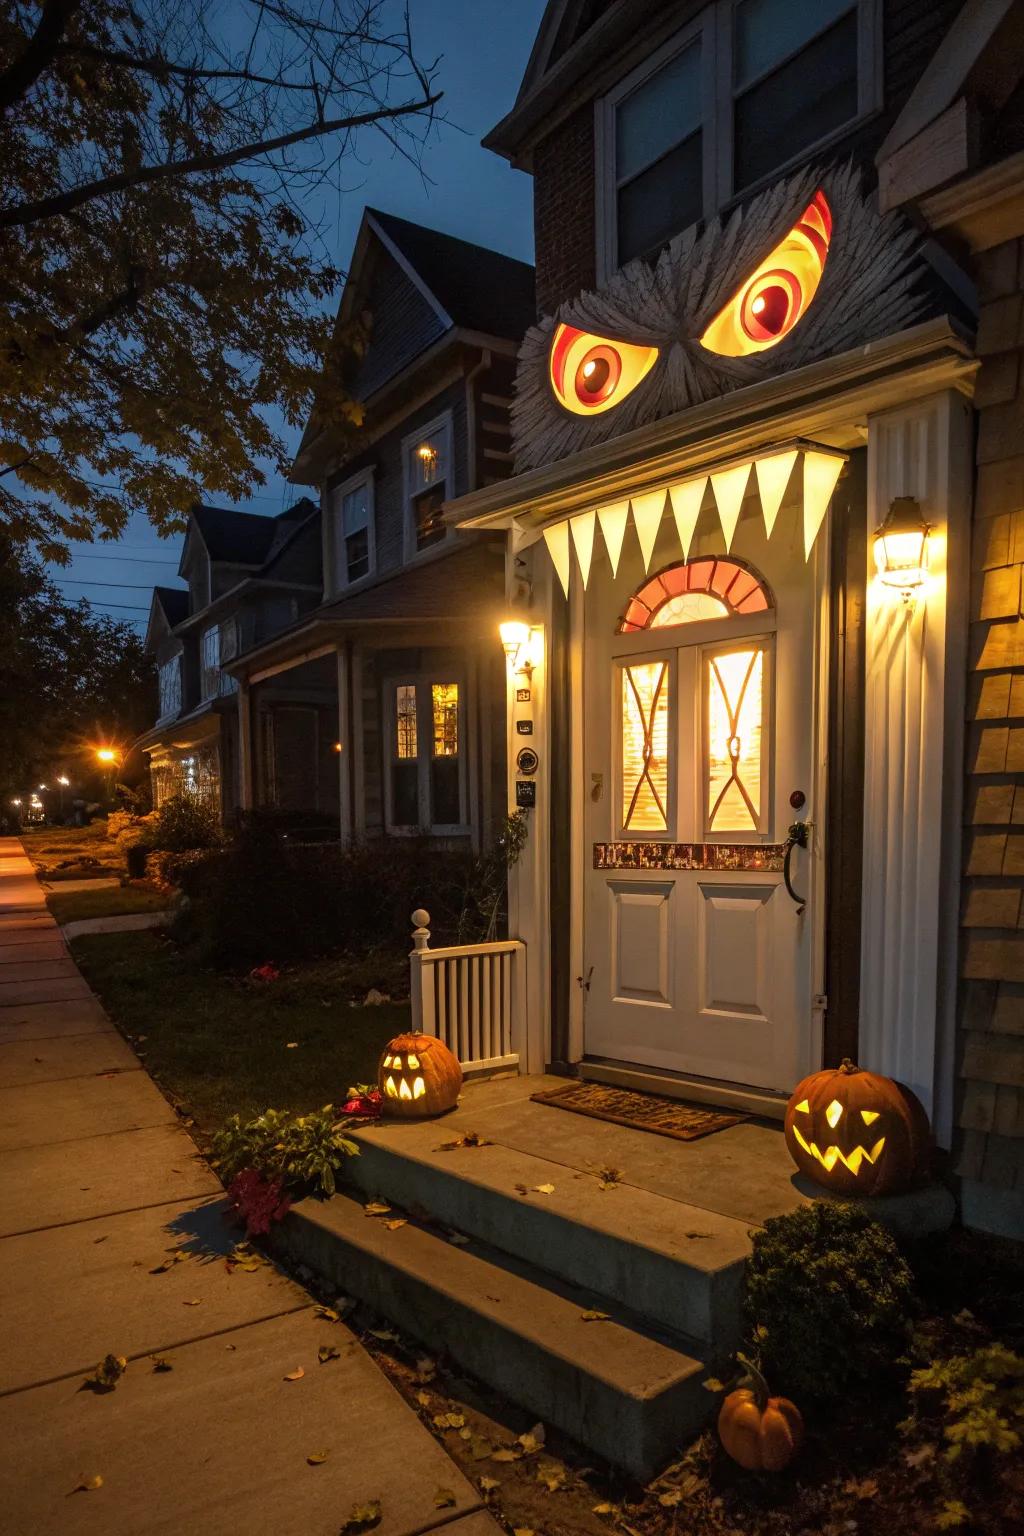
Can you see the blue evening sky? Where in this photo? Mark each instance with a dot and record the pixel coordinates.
(483, 47)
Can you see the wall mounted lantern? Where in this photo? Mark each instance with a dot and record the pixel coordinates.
(515, 642)
(901, 547)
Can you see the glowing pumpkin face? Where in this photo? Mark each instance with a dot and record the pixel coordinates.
(857, 1133)
(418, 1076)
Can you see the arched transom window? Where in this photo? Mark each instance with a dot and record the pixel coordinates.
(709, 588)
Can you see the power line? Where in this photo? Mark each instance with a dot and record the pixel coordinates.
(142, 559)
(125, 607)
(84, 581)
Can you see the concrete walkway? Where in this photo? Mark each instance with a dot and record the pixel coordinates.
(98, 1184)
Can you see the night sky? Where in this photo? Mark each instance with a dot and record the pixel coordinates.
(484, 46)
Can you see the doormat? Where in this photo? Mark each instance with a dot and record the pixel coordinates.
(642, 1111)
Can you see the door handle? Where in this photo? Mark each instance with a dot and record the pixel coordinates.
(797, 837)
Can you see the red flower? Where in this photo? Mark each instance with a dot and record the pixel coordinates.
(257, 1201)
(267, 972)
(366, 1104)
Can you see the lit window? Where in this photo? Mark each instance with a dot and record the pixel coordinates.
(427, 481)
(444, 767)
(645, 712)
(444, 699)
(734, 682)
(426, 766)
(405, 718)
(695, 590)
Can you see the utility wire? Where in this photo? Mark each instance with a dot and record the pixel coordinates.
(133, 586)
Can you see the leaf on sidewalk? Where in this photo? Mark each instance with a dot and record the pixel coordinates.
(328, 1314)
(398, 1221)
(544, 1189)
(363, 1517)
(533, 1440)
(468, 1139)
(376, 1208)
(295, 1375)
(161, 1364)
(194, 1302)
(443, 1498)
(328, 1352)
(317, 1458)
(106, 1375)
(87, 1483)
(593, 1316)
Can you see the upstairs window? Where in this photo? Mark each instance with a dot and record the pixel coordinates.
(210, 672)
(746, 90)
(428, 483)
(353, 530)
(228, 652)
(169, 681)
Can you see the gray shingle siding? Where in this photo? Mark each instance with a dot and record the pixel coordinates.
(403, 325)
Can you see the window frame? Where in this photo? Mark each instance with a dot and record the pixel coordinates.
(170, 714)
(621, 663)
(765, 642)
(336, 565)
(423, 682)
(715, 26)
(206, 672)
(440, 426)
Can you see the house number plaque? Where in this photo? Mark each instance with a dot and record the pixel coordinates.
(524, 727)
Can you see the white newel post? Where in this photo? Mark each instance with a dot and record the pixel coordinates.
(417, 995)
(913, 760)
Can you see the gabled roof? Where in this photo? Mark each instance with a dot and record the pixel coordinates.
(174, 602)
(469, 285)
(242, 538)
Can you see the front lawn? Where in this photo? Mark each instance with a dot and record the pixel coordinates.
(51, 847)
(220, 1045)
(115, 901)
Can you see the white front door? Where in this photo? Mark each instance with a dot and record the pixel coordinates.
(699, 727)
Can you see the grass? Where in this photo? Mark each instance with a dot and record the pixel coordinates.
(219, 1045)
(49, 846)
(70, 906)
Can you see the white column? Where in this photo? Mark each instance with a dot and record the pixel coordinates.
(245, 795)
(913, 765)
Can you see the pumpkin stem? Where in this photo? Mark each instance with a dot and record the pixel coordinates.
(756, 1379)
(848, 1066)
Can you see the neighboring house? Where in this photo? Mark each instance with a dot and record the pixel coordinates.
(742, 369)
(384, 703)
(248, 577)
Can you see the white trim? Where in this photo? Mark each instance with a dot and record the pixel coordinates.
(714, 27)
(440, 425)
(414, 277)
(336, 580)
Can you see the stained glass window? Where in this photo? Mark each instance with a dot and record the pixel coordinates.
(645, 712)
(705, 588)
(734, 681)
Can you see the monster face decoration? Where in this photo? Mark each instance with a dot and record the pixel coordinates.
(808, 269)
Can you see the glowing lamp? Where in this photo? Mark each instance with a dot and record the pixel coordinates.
(337, 746)
(63, 779)
(42, 786)
(515, 642)
(901, 547)
(106, 754)
(857, 1133)
(418, 1076)
(15, 802)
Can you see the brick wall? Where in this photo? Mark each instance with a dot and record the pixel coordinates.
(563, 211)
(991, 1065)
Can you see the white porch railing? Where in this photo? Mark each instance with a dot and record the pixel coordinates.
(472, 996)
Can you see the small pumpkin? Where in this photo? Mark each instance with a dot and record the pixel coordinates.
(760, 1432)
(857, 1133)
(418, 1076)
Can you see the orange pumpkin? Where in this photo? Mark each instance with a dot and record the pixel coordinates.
(760, 1432)
(857, 1133)
(418, 1076)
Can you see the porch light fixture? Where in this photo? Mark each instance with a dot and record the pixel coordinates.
(901, 547)
(515, 642)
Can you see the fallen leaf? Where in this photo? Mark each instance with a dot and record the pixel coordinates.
(399, 1221)
(292, 1045)
(106, 1375)
(101, 1239)
(507, 1453)
(317, 1458)
(866, 1488)
(698, 1234)
(161, 1363)
(424, 1399)
(426, 1369)
(552, 1476)
(376, 1208)
(328, 1352)
(533, 1440)
(603, 1509)
(295, 1375)
(458, 1238)
(523, 1530)
(479, 1448)
(465, 1434)
(544, 1189)
(328, 1314)
(230, 1346)
(595, 1317)
(87, 1484)
(195, 1302)
(449, 1420)
(363, 1517)
(670, 1499)
(490, 1488)
(468, 1139)
(443, 1498)
(713, 1384)
(920, 1456)
(386, 1335)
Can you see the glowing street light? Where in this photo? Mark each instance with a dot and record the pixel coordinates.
(106, 754)
(63, 780)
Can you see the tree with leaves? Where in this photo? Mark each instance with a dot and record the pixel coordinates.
(68, 677)
(163, 289)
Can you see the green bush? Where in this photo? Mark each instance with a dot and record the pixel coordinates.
(978, 1399)
(829, 1304)
(305, 1152)
(184, 821)
(169, 869)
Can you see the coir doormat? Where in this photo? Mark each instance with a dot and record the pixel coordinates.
(642, 1111)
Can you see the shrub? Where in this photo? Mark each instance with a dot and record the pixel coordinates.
(169, 869)
(298, 1154)
(977, 1398)
(135, 860)
(829, 1304)
(185, 821)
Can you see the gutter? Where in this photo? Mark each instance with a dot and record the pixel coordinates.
(824, 401)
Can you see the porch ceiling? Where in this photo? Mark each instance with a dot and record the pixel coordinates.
(192, 730)
(828, 402)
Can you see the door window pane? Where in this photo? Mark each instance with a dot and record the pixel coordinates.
(405, 721)
(734, 720)
(661, 201)
(815, 93)
(768, 31)
(444, 699)
(658, 114)
(645, 690)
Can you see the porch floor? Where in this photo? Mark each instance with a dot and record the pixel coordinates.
(743, 1172)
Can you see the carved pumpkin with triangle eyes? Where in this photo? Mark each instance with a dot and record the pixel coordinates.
(857, 1133)
(418, 1076)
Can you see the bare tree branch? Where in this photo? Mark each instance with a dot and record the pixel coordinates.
(42, 48)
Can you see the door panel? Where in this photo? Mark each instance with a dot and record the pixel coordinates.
(735, 941)
(640, 946)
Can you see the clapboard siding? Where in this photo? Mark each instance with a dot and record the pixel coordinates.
(402, 325)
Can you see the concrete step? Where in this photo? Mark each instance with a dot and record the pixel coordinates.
(677, 1265)
(624, 1391)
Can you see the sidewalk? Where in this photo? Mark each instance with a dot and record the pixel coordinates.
(98, 1181)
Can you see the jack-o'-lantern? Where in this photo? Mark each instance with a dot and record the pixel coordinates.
(857, 1133)
(760, 1432)
(418, 1076)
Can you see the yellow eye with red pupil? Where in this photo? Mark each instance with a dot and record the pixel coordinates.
(777, 295)
(590, 374)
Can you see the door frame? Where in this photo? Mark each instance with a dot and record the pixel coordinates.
(821, 561)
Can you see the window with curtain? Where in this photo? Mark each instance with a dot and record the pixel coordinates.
(734, 691)
(645, 746)
(428, 483)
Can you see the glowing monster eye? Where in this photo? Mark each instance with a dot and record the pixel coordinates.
(590, 374)
(778, 294)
